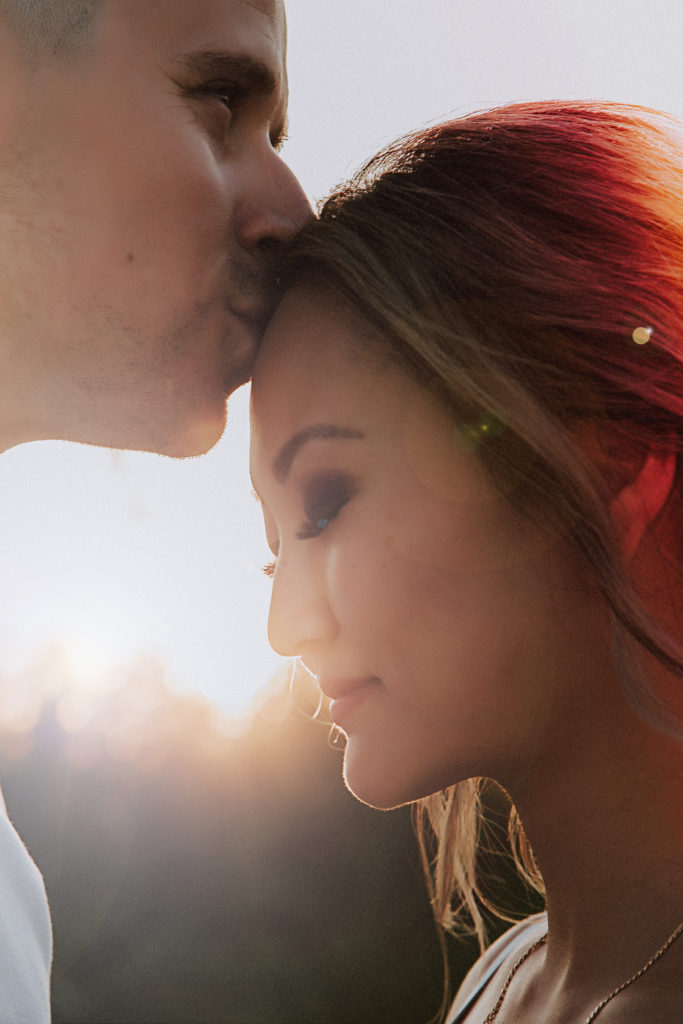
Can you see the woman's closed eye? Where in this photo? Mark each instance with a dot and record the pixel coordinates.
(324, 496)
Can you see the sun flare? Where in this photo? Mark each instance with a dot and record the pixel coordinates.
(87, 666)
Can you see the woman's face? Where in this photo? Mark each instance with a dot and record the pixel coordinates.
(447, 630)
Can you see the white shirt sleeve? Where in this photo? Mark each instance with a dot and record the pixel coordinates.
(25, 933)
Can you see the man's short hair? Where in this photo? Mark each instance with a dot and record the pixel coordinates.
(57, 28)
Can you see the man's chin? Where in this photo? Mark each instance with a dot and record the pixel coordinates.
(202, 432)
(238, 376)
(197, 438)
(186, 439)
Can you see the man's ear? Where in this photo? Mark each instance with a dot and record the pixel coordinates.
(639, 502)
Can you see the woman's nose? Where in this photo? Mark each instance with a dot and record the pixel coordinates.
(300, 620)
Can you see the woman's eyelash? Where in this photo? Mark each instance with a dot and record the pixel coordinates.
(324, 498)
(311, 529)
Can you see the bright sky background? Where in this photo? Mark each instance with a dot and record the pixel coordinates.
(121, 553)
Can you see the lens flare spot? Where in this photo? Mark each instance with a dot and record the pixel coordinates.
(642, 335)
(471, 435)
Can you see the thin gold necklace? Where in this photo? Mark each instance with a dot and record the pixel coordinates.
(625, 984)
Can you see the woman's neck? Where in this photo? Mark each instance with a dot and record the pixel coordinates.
(607, 831)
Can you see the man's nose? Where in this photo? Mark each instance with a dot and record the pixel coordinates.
(300, 621)
(274, 206)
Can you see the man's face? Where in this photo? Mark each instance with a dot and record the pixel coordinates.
(138, 185)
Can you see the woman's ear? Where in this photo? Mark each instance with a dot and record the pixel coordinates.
(639, 502)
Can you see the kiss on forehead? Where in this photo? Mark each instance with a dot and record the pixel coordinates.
(142, 224)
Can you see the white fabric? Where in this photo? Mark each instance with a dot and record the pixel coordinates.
(25, 933)
(493, 962)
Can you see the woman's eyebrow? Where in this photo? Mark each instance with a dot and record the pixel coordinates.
(282, 463)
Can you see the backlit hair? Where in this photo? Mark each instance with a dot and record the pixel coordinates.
(526, 264)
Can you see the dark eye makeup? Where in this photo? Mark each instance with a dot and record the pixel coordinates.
(324, 496)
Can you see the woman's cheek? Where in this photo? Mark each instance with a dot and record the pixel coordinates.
(359, 573)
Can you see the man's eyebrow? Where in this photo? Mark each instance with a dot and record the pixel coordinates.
(282, 463)
(253, 77)
(207, 64)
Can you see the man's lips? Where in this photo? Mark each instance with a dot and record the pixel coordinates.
(255, 318)
(255, 303)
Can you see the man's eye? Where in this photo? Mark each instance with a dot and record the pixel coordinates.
(225, 96)
(228, 94)
(324, 498)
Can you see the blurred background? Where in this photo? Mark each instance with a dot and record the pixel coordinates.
(203, 861)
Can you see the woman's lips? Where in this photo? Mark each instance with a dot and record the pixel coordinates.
(347, 695)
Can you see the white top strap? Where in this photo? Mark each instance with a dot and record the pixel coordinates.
(509, 945)
(25, 933)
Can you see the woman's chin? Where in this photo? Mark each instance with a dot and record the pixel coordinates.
(383, 789)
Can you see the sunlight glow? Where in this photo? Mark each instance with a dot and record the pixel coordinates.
(87, 666)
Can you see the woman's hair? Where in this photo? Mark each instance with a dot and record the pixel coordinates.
(526, 264)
